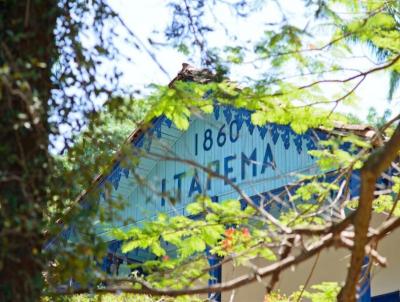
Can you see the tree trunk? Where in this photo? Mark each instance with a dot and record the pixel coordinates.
(27, 52)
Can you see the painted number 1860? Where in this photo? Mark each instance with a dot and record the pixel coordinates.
(209, 138)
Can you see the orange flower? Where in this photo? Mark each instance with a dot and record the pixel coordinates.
(165, 258)
(227, 244)
(246, 232)
(229, 232)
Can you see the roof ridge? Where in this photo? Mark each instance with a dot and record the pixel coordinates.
(189, 73)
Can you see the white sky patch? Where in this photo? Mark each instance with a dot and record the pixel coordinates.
(145, 17)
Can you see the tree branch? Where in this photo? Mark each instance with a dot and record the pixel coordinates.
(376, 163)
(148, 289)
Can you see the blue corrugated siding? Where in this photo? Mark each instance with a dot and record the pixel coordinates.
(258, 159)
(239, 141)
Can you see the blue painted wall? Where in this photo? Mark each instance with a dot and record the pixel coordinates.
(258, 159)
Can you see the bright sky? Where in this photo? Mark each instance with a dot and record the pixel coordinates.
(143, 17)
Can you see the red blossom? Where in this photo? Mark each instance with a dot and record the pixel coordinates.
(227, 244)
(246, 232)
(229, 232)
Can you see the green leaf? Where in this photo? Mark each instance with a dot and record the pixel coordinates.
(192, 245)
(130, 246)
(181, 122)
(212, 234)
(207, 108)
(119, 234)
(258, 118)
(194, 208)
(156, 249)
(267, 254)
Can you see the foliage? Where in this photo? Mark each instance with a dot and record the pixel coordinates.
(119, 298)
(378, 121)
(324, 292)
(52, 86)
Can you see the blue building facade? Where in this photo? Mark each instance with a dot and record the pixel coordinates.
(261, 160)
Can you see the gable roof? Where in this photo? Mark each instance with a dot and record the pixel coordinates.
(191, 74)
